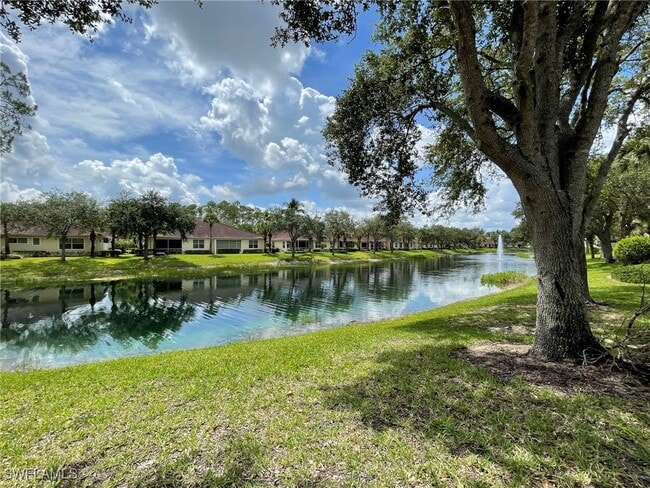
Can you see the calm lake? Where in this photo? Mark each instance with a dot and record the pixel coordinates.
(53, 327)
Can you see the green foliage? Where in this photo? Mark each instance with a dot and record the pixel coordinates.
(124, 244)
(80, 16)
(633, 273)
(622, 207)
(504, 278)
(14, 217)
(59, 212)
(420, 77)
(338, 226)
(294, 221)
(14, 96)
(633, 250)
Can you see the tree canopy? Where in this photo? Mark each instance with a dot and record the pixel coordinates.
(523, 85)
(14, 106)
(294, 221)
(81, 16)
(58, 212)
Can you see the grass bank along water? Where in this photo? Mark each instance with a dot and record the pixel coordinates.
(384, 404)
(37, 272)
(57, 326)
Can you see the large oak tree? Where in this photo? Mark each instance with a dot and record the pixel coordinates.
(59, 212)
(523, 85)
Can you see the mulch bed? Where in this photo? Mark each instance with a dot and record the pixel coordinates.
(508, 361)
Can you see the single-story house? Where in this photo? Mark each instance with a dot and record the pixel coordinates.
(34, 241)
(369, 244)
(225, 240)
(282, 241)
(489, 242)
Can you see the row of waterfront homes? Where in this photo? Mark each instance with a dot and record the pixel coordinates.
(225, 239)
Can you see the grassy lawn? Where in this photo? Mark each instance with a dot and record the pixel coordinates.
(40, 272)
(382, 404)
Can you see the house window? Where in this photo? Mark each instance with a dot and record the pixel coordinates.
(36, 241)
(74, 244)
(18, 240)
(198, 244)
(253, 244)
(228, 244)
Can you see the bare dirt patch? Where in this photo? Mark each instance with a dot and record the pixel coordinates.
(508, 361)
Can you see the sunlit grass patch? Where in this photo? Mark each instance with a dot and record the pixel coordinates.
(504, 278)
(43, 272)
(388, 403)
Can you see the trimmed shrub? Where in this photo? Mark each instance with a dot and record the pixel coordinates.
(633, 250)
(635, 273)
(10, 256)
(228, 251)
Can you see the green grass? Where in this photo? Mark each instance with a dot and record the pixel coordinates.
(504, 278)
(380, 404)
(633, 273)
(40, 272)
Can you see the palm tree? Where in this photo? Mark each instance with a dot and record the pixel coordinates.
(210, 215)
(267, 223)
(293, 222)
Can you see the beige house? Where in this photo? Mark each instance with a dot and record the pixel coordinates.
(34, 241)
(282, 242)
(225, 240)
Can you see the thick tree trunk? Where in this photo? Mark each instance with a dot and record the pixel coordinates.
(145, 248)
(580, 250)
(6, 231)
(592, 248)
(605, 238)
(562, 329)
(92, 238)
(63, 240)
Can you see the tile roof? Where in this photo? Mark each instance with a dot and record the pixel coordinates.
(219, 231)
(42, 232)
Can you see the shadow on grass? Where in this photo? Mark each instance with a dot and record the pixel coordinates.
(533, 435)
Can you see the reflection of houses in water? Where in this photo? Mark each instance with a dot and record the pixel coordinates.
(297, 286)
(29, 306)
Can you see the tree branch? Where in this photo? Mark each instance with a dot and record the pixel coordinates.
(581, 71)
(607, 63)
(523, 89)
(546, 92)
(476, 95)
(622, 132)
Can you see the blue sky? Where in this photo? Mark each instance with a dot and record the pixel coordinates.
(196, 104)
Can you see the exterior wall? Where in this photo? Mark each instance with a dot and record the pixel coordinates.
(231, 245)
(253, 244)
(221, 245)
(47, 244)
(50, 245)
(188, 244)
(285, 245)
